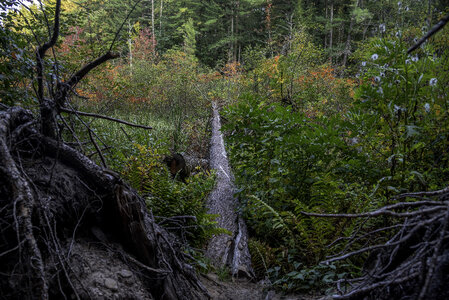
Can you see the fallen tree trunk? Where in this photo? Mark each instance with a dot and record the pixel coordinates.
(226, 250)
(70, 228)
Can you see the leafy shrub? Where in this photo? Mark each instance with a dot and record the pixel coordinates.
(401, 113)
(177, 205)
(286, 163)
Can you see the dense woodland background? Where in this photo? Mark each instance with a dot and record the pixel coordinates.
(324, 111)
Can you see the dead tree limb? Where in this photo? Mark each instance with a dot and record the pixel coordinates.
(431, 32)
(81, 113)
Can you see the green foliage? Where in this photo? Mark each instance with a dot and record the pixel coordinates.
(286, 163)
(401, 110)
(16, 68)
(177, 205)
(302, 279)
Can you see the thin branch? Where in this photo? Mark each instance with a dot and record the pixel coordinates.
(121, 26)
(431, 32)
(103, 161)
(104, 117)
(40, 54)
(386, 210)
(362, 291)
(64, 87)
(422, 194)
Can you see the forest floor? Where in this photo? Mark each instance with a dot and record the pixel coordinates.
(242, 288)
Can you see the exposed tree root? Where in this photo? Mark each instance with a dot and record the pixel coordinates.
(70, 228)
(413, 263)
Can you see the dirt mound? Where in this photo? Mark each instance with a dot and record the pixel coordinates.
(70, 228)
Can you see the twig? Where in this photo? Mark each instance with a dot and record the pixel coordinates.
(65, 87)
(121, 26)
(103, 117)
(40, 54)
(103, 161)
(127, 135)
(431, 32)
(386, 245)
(359, 292)
(381, 212)
(422, 194)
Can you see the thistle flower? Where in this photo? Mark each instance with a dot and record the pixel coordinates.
(374, 56)
(377, 79)
(415, 58)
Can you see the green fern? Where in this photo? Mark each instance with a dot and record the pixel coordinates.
(168, 198)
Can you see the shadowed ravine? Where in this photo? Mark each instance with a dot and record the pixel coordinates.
(226, 250)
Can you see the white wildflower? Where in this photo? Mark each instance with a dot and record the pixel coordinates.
(377, 79)
(363, 63)
(397, 108)
(382, 74)
(407, 61)
(415, 58)
(374, 56)
(400, 4)
(433, 82)
(382, 27)
(427, 107)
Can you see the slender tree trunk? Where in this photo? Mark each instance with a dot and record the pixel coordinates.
(231, 44)
(153, 39)
(429, 14)
(325, 35)
(331, 29)
(236, 44)
(348, 40)
(130, 49)
(268, 25)
(160, 19)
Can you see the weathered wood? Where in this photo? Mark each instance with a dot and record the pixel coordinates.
(226, 250)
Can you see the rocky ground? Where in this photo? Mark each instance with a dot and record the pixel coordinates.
(243, 289)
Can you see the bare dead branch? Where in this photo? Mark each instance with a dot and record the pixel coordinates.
(431, 32)
(121, 26)
(103, 161)
(359, 292)
(424, 194)
(65, 87)
(387, 210)
(40, 54)
(104, 117)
